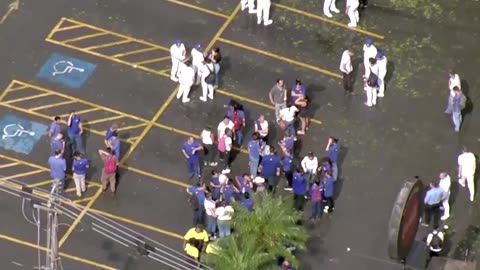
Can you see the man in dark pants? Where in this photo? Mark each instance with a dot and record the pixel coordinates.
(299, 184)
(363, 3)
(433, 200)
(347, 70)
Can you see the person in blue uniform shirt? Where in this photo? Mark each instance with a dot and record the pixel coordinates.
(254, 154)
(299, 184)
(75, 131)
(114, 144)
(190, 150)
(328, 192)
(270, 169)
(332, 149)
(247, 201)
(109, 133)
(55, 127)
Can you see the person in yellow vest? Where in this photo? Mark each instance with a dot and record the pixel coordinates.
(193, 252)
(212, 248)
(199, 234)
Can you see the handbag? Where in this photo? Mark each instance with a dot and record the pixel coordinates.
(210, 79)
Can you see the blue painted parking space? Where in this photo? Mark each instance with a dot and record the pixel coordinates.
(19, 134)
(66, 70)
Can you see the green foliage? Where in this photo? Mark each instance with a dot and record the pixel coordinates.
(429, 9)
(260, 236)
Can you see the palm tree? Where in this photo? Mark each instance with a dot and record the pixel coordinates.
(272, 226)
(239, 253)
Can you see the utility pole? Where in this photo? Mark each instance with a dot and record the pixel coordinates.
(52, 258)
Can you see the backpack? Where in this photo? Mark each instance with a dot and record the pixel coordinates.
(110, 164)
(193, 201)
(210, 79)
(222, 146)
(372, 80)
(237, 121)
(436, 242)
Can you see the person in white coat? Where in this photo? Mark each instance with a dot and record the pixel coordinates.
(454, 80)
(382, 71)
(371, 85)
(197, 60)
(328, 7)
(250, 4)
(466, 170)
(186, 78)
(445, 183)
(207, 87)
(263, 12)
(178, 54)
(352, 12)
(369, 51)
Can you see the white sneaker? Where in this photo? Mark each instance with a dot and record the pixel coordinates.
(444, 217)
(380, 95)
(335, 10)
(210, 96)
(244, 7)
(226, 171)
(353, 25)
(174, 79)
(186, 100)
(252, 11)
(329, 15)
(204, 99)
(471, 198)
(259, 22)
(369, 105)
(268, 22)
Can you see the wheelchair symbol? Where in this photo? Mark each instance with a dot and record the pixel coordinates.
(68, 67)
(15, 130)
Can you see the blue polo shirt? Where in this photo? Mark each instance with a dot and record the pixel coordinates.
(58, 166)
(248, 203)
(243, 185)
(216, 191)
(434, 196)
(55, 128)
(74, 127)
(299, 184)
(228, 193)
(270, 164)
(199, 193)
(287, 163)
(328, 187)
(55, 145)
(109, 133)
(302, 91)
(80, 166)
(115, 146)
(254, 149)
(188, 148)
(289, 143)
(333, 153)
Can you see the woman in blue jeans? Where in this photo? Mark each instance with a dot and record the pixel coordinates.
(224, 215)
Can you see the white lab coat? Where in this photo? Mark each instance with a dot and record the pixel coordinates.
(186, 78)
(178, 55)
(250, 4)
(371, 91)
(445, 184)
(368, 52)
(263, 11)
(352, 12)
(382, 71)
(207, 89)
(197, 60)
(452, 82)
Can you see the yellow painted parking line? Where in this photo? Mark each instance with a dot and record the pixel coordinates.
(79, 218)
(71, 27)
(83, 200)
(159, 59)
(45, 169)
(52, 105)
(18, 175)
(105, 119)
(57, 26)
(81, 112)
(8, 165)
(330, 21)
(16, 88)
(154, 176)
(84, 37)
(119, 55)
(136, 223)
(281, 58)
(108, 45)
(131, 127)
(70, 189)
(41, 183)
(25, 98)
(208, 11)
(62, 254)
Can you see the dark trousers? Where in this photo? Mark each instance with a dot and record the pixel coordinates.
(329, 202)
(348, 82)
(272, 182)
(363, 3)
(225, 159)
(209, 152)
(432, 212)
(289, 176)
(198, 216)
(298, 202)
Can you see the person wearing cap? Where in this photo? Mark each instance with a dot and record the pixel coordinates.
(186, 78)
(207, 87)
(382, 71)
(332, 149)
(250, 4)
(263, 12)
(328, 7)
(371, 82)
(310, 166)
(352, 12)
(347, 70)
(178, 54)
(197, 62)
(369, 51)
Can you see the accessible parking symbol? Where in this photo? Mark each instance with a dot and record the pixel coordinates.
(20, 135)
(66, 70)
